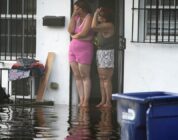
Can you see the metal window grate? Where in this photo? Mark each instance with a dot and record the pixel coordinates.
(155, 21)
(17, 29)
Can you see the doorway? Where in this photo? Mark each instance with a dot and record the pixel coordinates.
(118, 8)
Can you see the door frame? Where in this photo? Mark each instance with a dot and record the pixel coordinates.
(121, 42)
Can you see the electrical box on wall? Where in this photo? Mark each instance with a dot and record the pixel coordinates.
(58, 21)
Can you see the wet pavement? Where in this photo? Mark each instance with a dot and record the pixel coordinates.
(58, 122)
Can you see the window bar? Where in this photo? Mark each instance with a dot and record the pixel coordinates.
(33, 21)
(150, 19)
(169, 25)
(157, 22)
(22, 33)
(0, 37)
(133, 10)
(6, 36)
(138, 29)
(176, 22)
(10, 36)
(163, 10)
(175, 19)
(144, 20)
(27, 30)
(16, 37)
(33, 34)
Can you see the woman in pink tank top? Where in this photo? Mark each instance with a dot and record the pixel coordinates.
(81, 49)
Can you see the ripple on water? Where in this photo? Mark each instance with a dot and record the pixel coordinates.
(58, 122)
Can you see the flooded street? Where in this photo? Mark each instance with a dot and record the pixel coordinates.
(58, 122)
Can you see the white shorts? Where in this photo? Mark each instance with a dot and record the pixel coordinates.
(105, 58)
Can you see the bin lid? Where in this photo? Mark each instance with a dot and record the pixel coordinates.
(147, 97)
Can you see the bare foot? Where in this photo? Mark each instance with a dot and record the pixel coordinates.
(99, 105)
(107, 105)
(80, 104)
(84, 105)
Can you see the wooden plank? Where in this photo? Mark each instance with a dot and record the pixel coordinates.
(45, 77)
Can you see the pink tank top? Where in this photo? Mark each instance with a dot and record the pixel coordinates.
(79, 28)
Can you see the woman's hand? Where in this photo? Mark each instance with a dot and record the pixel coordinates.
(95, 19)
(72, 23)
(76, 10)
(74, 13)
(97, 11)
(74, 36)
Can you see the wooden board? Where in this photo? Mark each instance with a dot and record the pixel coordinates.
(45, 77)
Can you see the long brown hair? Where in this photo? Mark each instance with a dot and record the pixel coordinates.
(107, 14)
(84, 5)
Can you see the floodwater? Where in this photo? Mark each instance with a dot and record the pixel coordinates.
(58, 122)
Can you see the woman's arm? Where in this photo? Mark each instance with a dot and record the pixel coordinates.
(103, 27)
(72, 23)
(100, 26)
(86, 28)
(71, 26)
(95, 20)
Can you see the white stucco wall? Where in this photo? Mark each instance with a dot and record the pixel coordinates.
(148, 67)
(54, 39)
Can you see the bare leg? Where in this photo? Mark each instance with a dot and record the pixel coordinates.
(106, 87)
(79, 82)
(103, 94)
(85, 74)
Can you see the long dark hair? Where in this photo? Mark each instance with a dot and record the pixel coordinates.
(106, 13)
(84, 5)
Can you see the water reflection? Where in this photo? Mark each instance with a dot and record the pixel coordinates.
(15, 123)
(105, 126)
(41, 127)
(28, 123)
(93, 124)
(80, 126)
(58, 123)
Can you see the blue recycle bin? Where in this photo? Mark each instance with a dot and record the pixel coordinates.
(147, 115)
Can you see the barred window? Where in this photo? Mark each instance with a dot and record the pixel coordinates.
(17, 29)
(155, 21)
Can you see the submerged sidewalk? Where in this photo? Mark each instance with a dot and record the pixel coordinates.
(58, 122)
